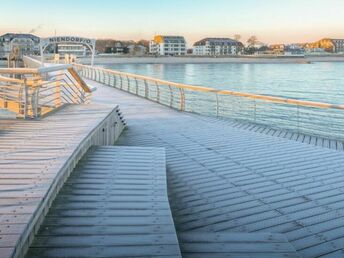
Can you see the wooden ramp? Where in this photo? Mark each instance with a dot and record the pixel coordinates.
(113, 205)
(235, 245)
(35, 159)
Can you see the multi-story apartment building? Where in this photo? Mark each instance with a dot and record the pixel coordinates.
(168, 45)
(27, 44)
(217, 47)
(338, 45)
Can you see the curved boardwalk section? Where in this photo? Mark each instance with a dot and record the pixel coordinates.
(113, 205)
(223, 178)
(35, 159)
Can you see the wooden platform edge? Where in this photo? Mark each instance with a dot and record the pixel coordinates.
(112, 125)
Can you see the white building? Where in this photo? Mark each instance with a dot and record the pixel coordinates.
(77, 50)
(338, 45)
(28, 44)
(216, 47)
(168, 45)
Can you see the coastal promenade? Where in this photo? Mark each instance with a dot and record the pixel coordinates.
(223, 178)
(234, 189)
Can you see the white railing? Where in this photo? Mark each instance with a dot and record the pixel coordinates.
(314, 118)
(34, 92)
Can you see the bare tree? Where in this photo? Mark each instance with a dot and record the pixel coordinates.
(253, 40)
(237, 37)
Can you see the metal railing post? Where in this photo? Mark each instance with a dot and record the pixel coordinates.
(217, 105)
(114, 81)
(35, 106)
(26, 99)
(298, 118)
(103, 75)
(98, 75)
(255, 111)
(136, 87)
(58, 92)
(157, 92)
(109, 78)
(128, 83)
(171, 96)
(182, 99)
(146, 89)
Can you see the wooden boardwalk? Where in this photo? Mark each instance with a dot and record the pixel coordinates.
(35, 159)
(227, 178)
(286, 134)
(113, 205)
(235, 245)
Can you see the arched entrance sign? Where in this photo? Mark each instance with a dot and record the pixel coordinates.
(89, 43)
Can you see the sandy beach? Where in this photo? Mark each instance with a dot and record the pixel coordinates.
(195, 60)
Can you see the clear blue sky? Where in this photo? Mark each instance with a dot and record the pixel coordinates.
(272, 21)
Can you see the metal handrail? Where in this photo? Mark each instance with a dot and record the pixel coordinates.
(221, 92)
(30, 90)
(311, 117)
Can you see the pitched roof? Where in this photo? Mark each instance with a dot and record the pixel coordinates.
(216, 41)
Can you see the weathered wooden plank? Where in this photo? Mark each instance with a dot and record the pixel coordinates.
(235, 245)
(138, 220)
(100, 252)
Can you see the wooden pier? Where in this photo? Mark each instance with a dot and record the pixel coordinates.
(223, 177)
(234, 189)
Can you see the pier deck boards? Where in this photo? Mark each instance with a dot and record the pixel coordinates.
(224, 178)
(235, 245)
(35, 159)
(114, 204)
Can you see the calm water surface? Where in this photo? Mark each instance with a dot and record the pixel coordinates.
(317, 81)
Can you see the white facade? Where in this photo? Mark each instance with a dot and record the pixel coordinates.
(27, 44)
(168, 46)
(338, 45)
(216, 47)
(77, 50)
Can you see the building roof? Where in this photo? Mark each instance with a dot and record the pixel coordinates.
(165, 39)
(19, 35)
(216, 41)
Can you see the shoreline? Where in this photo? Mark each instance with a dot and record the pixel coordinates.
(101, 60)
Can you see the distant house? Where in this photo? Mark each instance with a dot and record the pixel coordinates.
(27, 44)
(116, 47)
(326, 45)
(294, 49)
(137, 50)
(217, 47)
(168, 45)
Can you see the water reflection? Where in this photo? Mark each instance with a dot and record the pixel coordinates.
(317, 81)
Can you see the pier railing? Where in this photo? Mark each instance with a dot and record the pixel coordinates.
(32, 93)
(314, 118)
